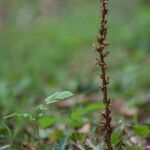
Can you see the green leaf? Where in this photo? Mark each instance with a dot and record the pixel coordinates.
(11, 115)
(89, 108)
(51, 98)
(133, 148)
(26, 116)
(58, 96)
(115, 138)
(46, 121)
(23, 116)
(141, 130)
(62, 143)
(63, 95)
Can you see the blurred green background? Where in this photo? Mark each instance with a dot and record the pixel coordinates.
(47, 45)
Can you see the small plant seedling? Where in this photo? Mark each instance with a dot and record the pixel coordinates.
(41, 109)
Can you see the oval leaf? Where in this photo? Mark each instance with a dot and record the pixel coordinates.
(141, 130)
(58, 96)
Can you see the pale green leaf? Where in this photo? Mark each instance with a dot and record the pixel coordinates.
(22, 116)
(64, 95)
(12, 115)
(58, 96)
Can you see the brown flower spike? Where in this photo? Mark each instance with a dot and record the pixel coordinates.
(105, 123)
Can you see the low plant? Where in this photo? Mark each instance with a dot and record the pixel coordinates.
(40, 111)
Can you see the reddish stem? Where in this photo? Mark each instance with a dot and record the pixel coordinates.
(107, 130)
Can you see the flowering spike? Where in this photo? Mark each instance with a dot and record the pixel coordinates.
(101, 39)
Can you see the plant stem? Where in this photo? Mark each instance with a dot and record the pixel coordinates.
(106, 121)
